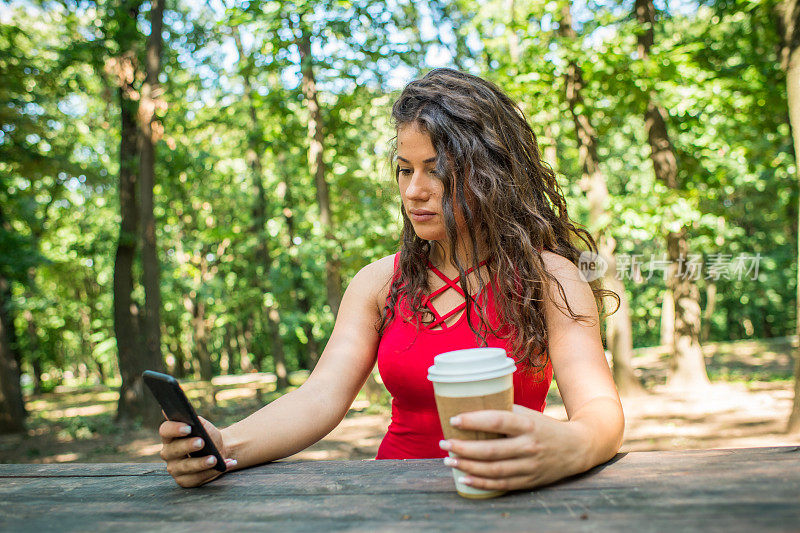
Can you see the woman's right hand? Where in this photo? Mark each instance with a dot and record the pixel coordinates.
(190, 471)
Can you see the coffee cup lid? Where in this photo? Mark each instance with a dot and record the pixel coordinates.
(472, 364)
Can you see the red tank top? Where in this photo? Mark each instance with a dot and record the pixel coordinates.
(404, 355)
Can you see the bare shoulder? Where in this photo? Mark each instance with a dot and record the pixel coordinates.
(375, 278)
(560, 267)
(576, 289)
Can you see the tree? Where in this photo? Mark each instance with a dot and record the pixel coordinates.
(714, 68)
(12, 406)
(316, 159)
(134, 400)
(149, 134)
(618, 325)
(262, 259)
(788, 21)
(687, 368)
(14, 247)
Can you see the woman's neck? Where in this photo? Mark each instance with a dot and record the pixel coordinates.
(442, 259)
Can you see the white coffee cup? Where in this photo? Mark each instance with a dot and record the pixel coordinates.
(471, 380)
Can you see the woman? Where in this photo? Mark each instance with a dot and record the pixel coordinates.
(487, 259)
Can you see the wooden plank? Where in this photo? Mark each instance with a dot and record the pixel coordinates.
(663, 468)
(81, 469)
(72, 508)
(654, 464)
(730, 490)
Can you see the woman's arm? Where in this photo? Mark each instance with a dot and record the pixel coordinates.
(302, 417)
(540, 449)
(579, 364)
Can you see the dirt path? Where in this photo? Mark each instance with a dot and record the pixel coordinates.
(728, 415)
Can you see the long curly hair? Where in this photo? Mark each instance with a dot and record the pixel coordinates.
(489, 163)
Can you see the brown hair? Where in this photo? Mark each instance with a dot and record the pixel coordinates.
(489, 163)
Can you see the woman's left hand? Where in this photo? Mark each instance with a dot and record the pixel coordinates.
(538, 450)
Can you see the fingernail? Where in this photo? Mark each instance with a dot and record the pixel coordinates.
(231, 462)
(211, 460)
(464, 480)
(445, 445)
(449, 461)
(455, 421)
(185, 430)
(198, 443)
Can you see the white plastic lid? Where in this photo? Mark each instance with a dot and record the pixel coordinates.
(472, 364)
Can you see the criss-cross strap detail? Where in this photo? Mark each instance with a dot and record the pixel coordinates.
(449, 284)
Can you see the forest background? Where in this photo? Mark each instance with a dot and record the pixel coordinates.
(189, 186)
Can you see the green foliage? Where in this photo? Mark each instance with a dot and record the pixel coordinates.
(714, 69)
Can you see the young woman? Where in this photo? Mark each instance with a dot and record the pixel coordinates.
(488, 258)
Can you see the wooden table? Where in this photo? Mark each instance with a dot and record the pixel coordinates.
(718, 490)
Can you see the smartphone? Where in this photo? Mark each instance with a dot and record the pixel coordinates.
(176, 407)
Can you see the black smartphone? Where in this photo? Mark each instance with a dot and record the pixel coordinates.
(176, 407)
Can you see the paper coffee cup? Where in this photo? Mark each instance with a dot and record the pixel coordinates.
(471, 380)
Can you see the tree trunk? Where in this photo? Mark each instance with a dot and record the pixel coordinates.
(317, 164)
(668, 320)
(708, 312)
(126, 310)
(593, 182)
(149, 133)
(512, 37)
(12, 405)
(90, 292)
(285, 193)
(200, 341)
(262, 258)
(224, 358)
(85, 328)
(688, 368)
(36, 366)
(179, 371)
(196, 306)
(618, 326)
(186, 360)
(278, 356)
(229, 352)
(549, 138)
(258, 342)
(245, 361)
(788, 19)
(134, 401)
(34, 356)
